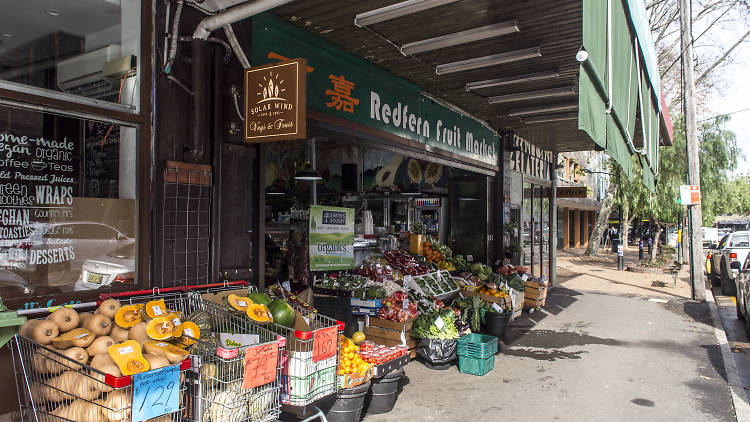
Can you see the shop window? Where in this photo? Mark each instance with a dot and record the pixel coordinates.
(67, 204)
(84, 48)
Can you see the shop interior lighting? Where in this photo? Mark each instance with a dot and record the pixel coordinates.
(532, 95)
(463, 37)
(308, 173)
(550, 108)
(53, 12)
(551, 118)
(396, 10)
(495, 59)
(511, 80)
(410, 191)
(274, 191)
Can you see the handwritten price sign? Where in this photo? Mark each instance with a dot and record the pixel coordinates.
(260, 365)
(325, 342)
(156, 393)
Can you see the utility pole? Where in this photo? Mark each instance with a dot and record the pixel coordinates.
(697, 284)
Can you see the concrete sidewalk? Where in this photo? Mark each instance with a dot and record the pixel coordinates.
(608, 346)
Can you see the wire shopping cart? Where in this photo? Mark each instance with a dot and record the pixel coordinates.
(53, 387)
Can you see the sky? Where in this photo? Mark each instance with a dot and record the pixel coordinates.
(734, 95)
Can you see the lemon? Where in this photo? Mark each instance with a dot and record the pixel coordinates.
(358, 337)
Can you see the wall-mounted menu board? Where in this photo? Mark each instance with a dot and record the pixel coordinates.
(67, 206)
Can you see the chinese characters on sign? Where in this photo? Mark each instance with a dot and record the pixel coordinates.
(341, 95)
(275, 101)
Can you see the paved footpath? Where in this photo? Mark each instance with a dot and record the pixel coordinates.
(609, 346)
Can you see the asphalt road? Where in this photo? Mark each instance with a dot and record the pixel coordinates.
(736, 335)
(586, 356)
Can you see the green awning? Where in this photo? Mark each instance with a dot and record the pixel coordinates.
(609, 94)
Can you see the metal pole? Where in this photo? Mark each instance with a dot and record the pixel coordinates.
(314, 182)
(693, 161)
(553, 228)
(620, 246)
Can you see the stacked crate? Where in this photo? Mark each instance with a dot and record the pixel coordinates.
(535, 295)
(391, 333)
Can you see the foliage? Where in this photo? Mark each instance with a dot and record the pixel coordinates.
(737, 200)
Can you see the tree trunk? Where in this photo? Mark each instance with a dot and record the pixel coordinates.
(655, 246)
(601, 221)
(625, 225)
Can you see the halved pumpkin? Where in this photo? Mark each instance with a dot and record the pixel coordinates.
(129, 357)
(188, 332)
(160, 328)
(259, 313)
(153, 309)
(128, 315)
(169, 351)
(238, 303)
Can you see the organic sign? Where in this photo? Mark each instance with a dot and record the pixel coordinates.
(260, 365)
(345, 86)
(325, 343)
(156, 393)
(331, 238)
(275, 101)
(572, 192)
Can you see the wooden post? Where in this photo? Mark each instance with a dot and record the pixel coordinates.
(566, 228)
(693, 177)
(577, 228)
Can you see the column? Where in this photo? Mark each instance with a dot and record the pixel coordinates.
(566, 227)
(586, 231)
(577, 228)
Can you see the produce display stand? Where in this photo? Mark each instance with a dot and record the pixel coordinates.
(50, 384)
(535, 295)
(391, 333)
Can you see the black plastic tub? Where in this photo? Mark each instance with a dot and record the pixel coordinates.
(497, 323)
(383, 393)
(348, 405)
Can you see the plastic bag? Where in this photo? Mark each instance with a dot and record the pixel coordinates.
(437, 351)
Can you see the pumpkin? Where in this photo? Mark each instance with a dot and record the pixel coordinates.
(188, 332)
(238, 303)
(78, 337)
(153, 309)
(206, 346)
(260, 298)
(230, 404)
(128, 315)
(128, 357)
(160, 328)
(169, 351)
(282, 313)
(202, 319)
(259, 313)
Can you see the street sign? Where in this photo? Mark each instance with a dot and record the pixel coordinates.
(690, 195)
(572, 192)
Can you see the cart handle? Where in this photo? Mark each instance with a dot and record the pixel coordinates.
(181, 289)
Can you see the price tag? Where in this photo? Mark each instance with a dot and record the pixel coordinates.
(512, 300)
(156, 393)
(405, 304)
(287, 286)
(469, 258)
(325, 342)
(260, 365)
(157, 310)
(439, 323)
(403, 337)
(525, 277)
(497, 307)
(242, 303)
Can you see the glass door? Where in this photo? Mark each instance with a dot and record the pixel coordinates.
(468, 216)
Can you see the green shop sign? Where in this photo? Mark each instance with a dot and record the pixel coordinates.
(346, 86)
(331, 238)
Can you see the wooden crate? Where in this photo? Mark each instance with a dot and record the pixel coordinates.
(392, 325)
(488, 298)
(388, 333)
(535, 295)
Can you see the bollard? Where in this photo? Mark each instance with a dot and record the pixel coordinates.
(640, 250)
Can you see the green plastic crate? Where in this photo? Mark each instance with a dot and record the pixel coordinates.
(475, 366)
(479, 346)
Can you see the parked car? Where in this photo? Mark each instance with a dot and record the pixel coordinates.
(733, 247)
(116, 267)
(742, 284)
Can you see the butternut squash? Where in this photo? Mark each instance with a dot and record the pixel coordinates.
(128, 315)
(60, 385)
(83, 317)
(100, 345)
(82, 411)
(119, 334)
(109, 308)
(117, 405)
(105, 364)
(77, 337)
(40, 360)
(156, 361)
(138, 333)
(65, 318)
(153, 309)
(128, 357)
(160, 328)
(40, 330)
(98, 324)
(86, 386)
(188, 333)
(169, 351)
(55, 364)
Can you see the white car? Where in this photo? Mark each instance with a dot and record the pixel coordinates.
(736, 247)
(112, 269)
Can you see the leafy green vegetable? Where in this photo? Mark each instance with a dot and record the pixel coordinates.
(424, 325)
